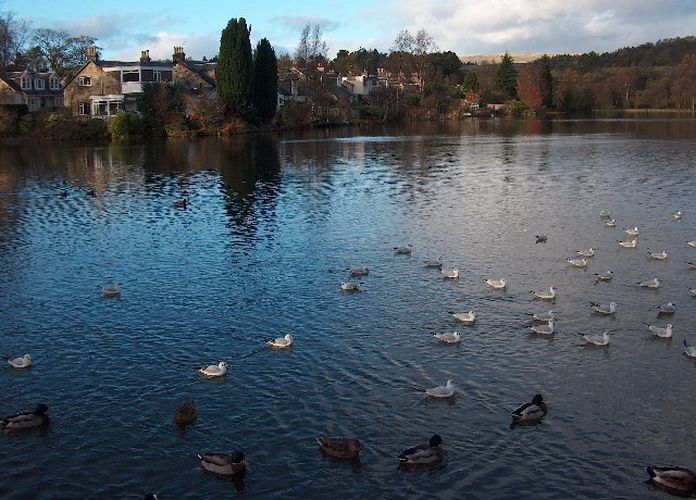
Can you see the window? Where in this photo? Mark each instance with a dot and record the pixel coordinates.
(57, 101)
(131, 76)
(25, 83)
(84, 81)
(149, 75)
(165, 76)
(53, 83)
(39, 84)
(83, 108)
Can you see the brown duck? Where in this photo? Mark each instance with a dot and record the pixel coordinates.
(185, 413)
(26, 420)
(346, 449)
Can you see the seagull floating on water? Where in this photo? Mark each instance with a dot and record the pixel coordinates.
(550, 295)
(631, 232)
(598, 340)
(577, 262)
(441, 391)
(605, 214)
(628, 243)
(433, 263)
(692, 292)
(111, 290)
(544, 317)
(544, 329)
(606, 276)
(404, 250)
(691, 265)
(467, 318)
(586, 253)
(606, 309)
(653, 283)
(692, 244)
(351, 287)
(19, 363)
(281, 342)
(677, 215)
(450, 273)
(658, 255)
(664, 333)
(610, 223)
(448, 338)
(213, 371)
(666, 309)
(497, 284)
(689, 350)
(359, 271)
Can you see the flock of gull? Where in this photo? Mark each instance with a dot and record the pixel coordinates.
(675, 480)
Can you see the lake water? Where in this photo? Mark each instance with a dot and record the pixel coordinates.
(261, 250)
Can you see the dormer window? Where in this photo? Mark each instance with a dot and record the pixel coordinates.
(84, 81)
(53, 83)
(25, 83)
(39, 84)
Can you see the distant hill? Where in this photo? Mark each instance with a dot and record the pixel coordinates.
(518, 57)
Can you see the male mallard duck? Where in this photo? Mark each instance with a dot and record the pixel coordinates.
(346, 449)
(529, 413)
(26, 420)
(224, 464)
(212, 371)
(20, 362)
(185, 413)
(423, 454)
(281, 342)
(676, 480)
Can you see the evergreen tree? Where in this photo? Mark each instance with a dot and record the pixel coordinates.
(265, 80)
(470, 83)
(506, 78)
(234, 72)
(546, 82)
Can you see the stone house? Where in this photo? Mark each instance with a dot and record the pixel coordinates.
(38, 90)
(196, 80)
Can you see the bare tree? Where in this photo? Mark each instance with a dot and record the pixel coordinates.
(423, 46)
(61, 51)
(14, 34)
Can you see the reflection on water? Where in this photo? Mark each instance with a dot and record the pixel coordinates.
(272, 225)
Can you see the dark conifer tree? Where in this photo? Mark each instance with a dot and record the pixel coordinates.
(265, 80)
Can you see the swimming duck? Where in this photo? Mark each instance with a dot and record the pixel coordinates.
(359, 271)
(586, 253)
(343, 448)
(550, 295)
(452, 274)
(676, 480)
(448, 338)
(529, 413)
(605, 214)
(404, 250)
(496, 284)
(423, 454)
(540, 238)
(26, 420)
(281, 342)
(19, 363)
(606, 309)
(224, 464)
(598, 340)
(351, 287)
(441, 391)
(185, 413)
(466, 318)
(181, 203)
(212, 371)
(111, 291)
(689, 350)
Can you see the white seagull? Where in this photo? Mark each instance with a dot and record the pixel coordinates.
(692, 292)
(281, 342)
(664, 333)
(658, 255)
(441, 391)
(577, 262)
(20, 362)
(544, 317)
(666, 309)
(606, 214)
(497, 284)
(213, 371)
(544, 329)
(692, 265)
(448, 338)
(451, 274)
(404, 250)
(606, 276)
(351, 287)
(586, 253)
(632, 231)
(466, 318)
(433, 263)
(604, 308)
(598, 340)
(653, 283)
(550, 295)
(692, 244)
(628, 243)
(610, 223)
(111, 290)
(677, 215)
(689, 350)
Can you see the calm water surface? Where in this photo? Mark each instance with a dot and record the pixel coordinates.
(272, 225)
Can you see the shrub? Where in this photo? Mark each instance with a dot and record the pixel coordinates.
(125, 126)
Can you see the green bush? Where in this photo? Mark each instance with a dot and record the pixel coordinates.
(25, 126)
(95, 130)
(60, 124)
(125, 126)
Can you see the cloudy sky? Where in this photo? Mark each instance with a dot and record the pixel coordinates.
(465, 26)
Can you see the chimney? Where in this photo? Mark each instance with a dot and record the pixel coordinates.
(179, 54)
(144, 56)
(92, 54)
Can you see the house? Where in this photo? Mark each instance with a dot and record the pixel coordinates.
(196, 79)
(291, 90)
(361, 85)
(104, 88)
(38, 90)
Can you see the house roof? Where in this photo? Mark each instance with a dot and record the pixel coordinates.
(200, 68)
(102, 64)
(12, 80)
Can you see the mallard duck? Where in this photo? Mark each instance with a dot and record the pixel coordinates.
(359, 271)
(181, 203)
(676, 480)
(423, 454)
(224, 464)
(212, 371)
(345, 449)
(111, 290)
(185, 413)
(26, 420)
(281, 342)
(19, 363)
(529, 413)
(404, 250)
